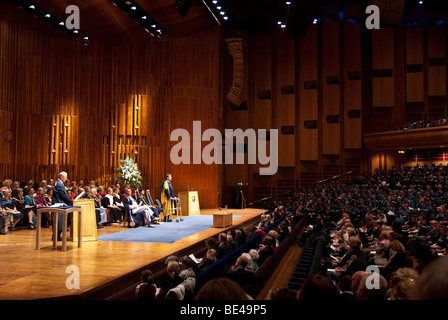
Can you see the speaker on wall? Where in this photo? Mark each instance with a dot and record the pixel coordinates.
(182, 6)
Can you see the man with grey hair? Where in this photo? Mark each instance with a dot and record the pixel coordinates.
(241, 275)
(60, 196)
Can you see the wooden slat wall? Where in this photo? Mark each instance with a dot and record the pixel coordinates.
(414, 56)
(330, 91)
(352, 86)
(284, 70)
(308, 104)
(383, 59)
(94, 89)
(437, 49)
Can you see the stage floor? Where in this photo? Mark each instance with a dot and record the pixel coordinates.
(28, 273)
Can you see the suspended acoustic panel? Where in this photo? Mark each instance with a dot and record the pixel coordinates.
(238, 92)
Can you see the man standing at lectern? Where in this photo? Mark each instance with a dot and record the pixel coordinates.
(167, 197)
(60, 196)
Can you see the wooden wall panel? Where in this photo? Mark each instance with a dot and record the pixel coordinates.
(96, 89)
(383, 59)
(437, 51)
(284, 70)
(331, 99)
(414, 57)
(352, 83)
(308, 101)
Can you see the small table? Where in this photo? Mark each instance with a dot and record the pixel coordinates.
(65, 210)
(222, 220)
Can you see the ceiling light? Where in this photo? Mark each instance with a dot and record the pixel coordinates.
(61, 23)
(222, 13)
(218, 7)
(153, 26)
(215, 1)
(47, 15)
(144, 17)
(134, 8)
(288, 2)
(225, 17)
(283, 26)
(32, 7)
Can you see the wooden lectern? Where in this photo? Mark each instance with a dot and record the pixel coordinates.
(190, 203)
(89, 230)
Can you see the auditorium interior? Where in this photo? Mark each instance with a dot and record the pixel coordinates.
(347, 97)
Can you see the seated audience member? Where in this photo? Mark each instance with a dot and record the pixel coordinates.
(397, 258)
(172, 281)
(188, 263)
(344, 287)
(143, 213)
(432, 283)
(119, 203)
(147, 289)
(101, 214)
(42, 201)
(223, 247)
(402, 283)
(186, 289)
(240, 275)
(111, 203)
(7, 186)
(281, 294)
(240, 237)
(24, 208)
(209, 259)
(266, 250)
(318, 287)
(274, 235)
(254, 259)
(6, 220)
(7, 203)
(141, 199)
(222, 289)
(211, 243)
(356, 279)
(376, 290)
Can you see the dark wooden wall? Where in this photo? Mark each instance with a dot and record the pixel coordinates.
(68, 106)
(331, 87)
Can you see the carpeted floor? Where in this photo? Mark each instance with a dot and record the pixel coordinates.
(167, 232)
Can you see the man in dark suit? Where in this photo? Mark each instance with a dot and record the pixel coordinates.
(223, 247)
(60, 196)
(141, 214)
(240, 275)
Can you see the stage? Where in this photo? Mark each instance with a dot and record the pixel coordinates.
(107, 269)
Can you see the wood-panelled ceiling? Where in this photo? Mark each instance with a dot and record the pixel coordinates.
(103, 21)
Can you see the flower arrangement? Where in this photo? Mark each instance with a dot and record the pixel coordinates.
(128, 173)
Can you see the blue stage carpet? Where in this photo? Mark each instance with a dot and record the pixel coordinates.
(167, 232)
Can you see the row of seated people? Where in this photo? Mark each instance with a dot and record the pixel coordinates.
(393, 222)
(180, 283)
(420, 124)
(18, 205)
